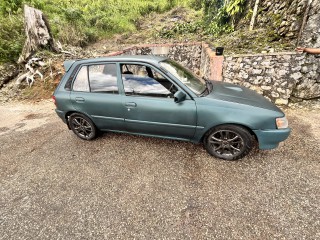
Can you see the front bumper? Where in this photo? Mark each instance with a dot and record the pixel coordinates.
(269, 139)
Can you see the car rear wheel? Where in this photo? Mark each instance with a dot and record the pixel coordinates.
(229, 142)
(82, 126)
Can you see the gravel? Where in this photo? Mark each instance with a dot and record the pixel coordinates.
(56, 186)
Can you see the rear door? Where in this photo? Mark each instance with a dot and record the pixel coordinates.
(95, 92)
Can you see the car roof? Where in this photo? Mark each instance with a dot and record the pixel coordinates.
(130, 58)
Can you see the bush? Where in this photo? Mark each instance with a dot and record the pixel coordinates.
(221, 17)
(181, 29)
(11, 38)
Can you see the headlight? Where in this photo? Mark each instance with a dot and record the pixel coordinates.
(282, 122)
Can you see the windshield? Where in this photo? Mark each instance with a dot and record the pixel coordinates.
(198, 86)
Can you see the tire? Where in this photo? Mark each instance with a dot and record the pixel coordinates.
(82, 126)
(228, 142)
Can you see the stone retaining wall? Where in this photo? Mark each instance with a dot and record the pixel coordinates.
(284, 16)
(196, 56)
(188, 54)
(311, 33)
(278, 76)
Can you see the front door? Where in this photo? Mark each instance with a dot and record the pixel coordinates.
(150, 107)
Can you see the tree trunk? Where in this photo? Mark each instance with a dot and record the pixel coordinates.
(254, 15)
(38, 33)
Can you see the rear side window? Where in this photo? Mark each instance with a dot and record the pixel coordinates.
(81, 83)
(97, 78)
(103, 78)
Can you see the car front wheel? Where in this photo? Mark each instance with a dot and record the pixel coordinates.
(82, 126)
(229, 142)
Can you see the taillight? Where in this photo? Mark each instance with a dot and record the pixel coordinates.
(54, 100)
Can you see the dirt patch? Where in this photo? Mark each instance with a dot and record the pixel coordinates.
(33, 116)
(24, 116)
(4, 129)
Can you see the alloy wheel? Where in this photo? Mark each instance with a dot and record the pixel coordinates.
(226, 143)
(82, 127)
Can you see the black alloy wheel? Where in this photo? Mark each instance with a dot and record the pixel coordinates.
(229, 142)
(82, 126)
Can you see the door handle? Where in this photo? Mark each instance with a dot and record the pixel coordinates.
(130, 104)
(79, 99)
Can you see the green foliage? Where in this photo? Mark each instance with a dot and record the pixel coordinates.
(10, 6)
(221, 15)
(181, 28)
(234, 7)
(11, 38)
(76, 22)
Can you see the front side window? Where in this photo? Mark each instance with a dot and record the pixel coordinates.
(144, 81)
(198, 86)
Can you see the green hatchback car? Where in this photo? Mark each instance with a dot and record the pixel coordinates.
(155, 96)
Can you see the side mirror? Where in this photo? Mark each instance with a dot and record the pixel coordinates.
(179, 97)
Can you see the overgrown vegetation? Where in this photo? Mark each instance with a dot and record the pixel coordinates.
(181, 28)
(79, 23)
(219, 17)
(76, 22)
(11, 37)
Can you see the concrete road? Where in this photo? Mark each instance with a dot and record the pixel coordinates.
(56, 186)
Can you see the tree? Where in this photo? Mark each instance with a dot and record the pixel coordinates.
(38, 33)
(254, 14)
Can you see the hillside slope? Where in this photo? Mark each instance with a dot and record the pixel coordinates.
(277, 28)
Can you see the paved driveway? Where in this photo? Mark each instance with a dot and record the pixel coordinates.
(56, 186)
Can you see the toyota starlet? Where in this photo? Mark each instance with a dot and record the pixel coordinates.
(155, 96)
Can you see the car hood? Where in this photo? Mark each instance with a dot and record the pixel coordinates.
(242, 95)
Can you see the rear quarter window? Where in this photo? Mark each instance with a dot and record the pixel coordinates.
(69, 81)
(81, 83)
